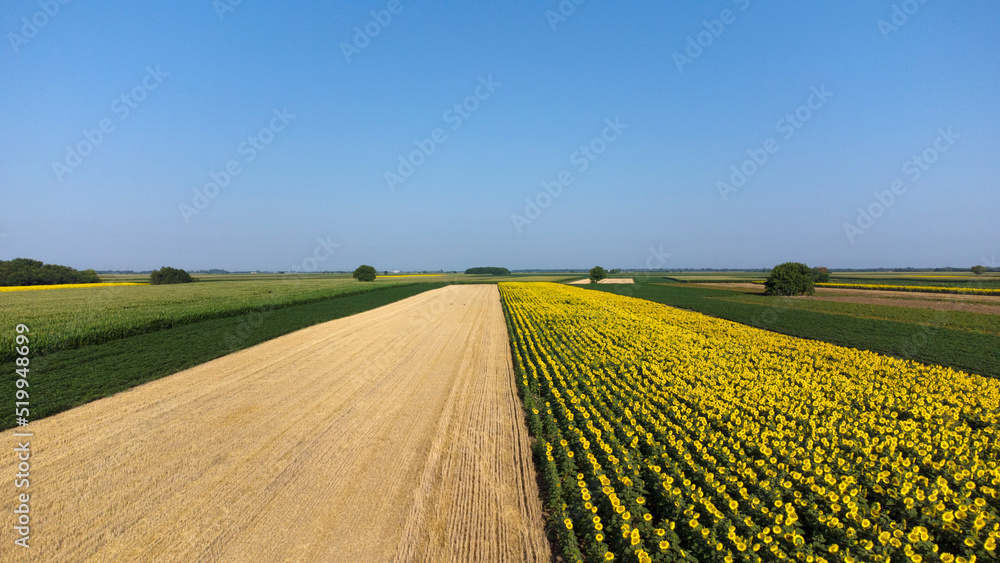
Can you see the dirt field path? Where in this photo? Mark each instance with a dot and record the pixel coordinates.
(392, 435)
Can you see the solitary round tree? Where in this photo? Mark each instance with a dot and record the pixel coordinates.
(790, 278)
(597, 274)
(167, 275)
(365, 273)
(979, 270)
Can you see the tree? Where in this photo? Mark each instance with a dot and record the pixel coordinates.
(365, 273)
(167, 275)
(489, 270)
(597, 274)
(979, 270)
(25, 271)
(790, 278)
(614, 271)
(821, 275)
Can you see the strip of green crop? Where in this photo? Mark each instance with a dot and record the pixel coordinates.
(974, 352)
(70, 318)
(69, 378)
(957, 320)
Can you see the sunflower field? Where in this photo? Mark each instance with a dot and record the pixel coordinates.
(667, 435)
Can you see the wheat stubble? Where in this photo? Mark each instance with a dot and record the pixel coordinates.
(392, 435)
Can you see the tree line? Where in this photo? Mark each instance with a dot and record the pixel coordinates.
(489, 270)
(25, 271)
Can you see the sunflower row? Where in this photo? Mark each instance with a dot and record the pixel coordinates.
(666, 435)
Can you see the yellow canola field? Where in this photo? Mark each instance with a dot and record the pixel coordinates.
(666, 435)
(64, 286)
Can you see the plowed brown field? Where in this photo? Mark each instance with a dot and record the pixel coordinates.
(392, 435)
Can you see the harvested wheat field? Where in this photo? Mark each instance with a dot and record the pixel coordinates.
(605, 280)
(392, 435)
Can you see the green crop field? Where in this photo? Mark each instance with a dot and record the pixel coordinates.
(69, 318)
(72, 317)
(957, 320)
(71, 377)
(703, 277)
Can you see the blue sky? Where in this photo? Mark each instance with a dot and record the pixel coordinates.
(311, 117)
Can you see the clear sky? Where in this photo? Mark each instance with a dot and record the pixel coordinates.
(422, 135)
